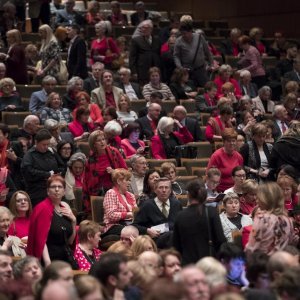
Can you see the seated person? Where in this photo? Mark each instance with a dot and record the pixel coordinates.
(81, 127)
(249, 197)
(163, 209)
(54, 110)
(155, 97)
(165, 142)
(68, 16)
(169, 171)
(216, 125)
(248, 88)
(117, 17)
(180, 86)
(38, 99)
(231, 46)
(238, 176)
(9, 99)
(213, 177)
(83, 99)
(93, 16)
(207, 102)
(231, 219)
(139, 167)
(87, 252)
(262, 103)
(225, 73)
(118, 204)
(125, 115)
(155, 84)
(131, 144)
(140, 15)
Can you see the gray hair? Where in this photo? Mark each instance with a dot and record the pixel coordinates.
(2, 65)
(98, 64)
(77, 157)
(123, 69)
(49, 78)
(264, 89)
(134, 158)
(244, 73)
(277, 109)
(224, 68)
(180, 108)
(19, 265)
(137, 31)
(72, 82)
(113, 127)
(163, 123)
(51, 124)
(6, 80)
(29, 119)
(106, 26)
(5, 210)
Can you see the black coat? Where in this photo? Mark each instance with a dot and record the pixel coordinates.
(286, 151)
(143, 56)
(36, 167)
(146, 129)
(90, 84)
(194, 128)
(76, 62)
(136, 87)
(134, 18)
(150, 215)
(191, 235)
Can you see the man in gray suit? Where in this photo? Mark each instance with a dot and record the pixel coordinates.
(38, 99)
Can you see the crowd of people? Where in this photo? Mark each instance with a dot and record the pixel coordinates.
(238, 235)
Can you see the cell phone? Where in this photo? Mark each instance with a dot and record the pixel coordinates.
(220, 197)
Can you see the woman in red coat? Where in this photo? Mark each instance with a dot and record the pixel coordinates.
(166, 140)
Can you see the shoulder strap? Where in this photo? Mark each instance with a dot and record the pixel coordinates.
(194, 59)
(210, 242)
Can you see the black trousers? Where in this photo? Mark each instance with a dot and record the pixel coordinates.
(199, 76)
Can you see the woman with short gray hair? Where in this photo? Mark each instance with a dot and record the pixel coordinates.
(75, 174)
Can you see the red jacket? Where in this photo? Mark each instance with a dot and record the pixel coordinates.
(76, 128)
(157, 148)
(219, 82)
(128, 148)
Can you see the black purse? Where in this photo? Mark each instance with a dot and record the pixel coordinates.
(70, 256)
(211, 248)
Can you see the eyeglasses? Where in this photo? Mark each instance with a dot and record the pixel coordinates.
(54, 187)
(240, 175)
(21, 200)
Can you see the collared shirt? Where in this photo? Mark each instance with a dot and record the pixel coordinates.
(139, 182)
(130, 91)
(110, 100)
(160, 204)
(279, 123)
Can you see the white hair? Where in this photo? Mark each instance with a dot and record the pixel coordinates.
(29, 119)
(244, 73)
(113, 127)
(51, 124)
(214, 271)
(163, 123)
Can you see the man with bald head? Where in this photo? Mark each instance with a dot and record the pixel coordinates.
(194, 283)
(149, 122)
(191, 124)
(279, 262)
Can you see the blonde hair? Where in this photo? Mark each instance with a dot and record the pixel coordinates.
(167, 166)
(93, 137)
(87, 228)
(249, 186)
(214, 271)
(138, 245)
(287, 181)
(119, 247)
(294, 129)
(6, 80)
(50, 37)
(16, 34)
(270, 197)
(120, 174)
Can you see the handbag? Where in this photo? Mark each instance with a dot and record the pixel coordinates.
(71, 259)
(63, 72)
(15, 247)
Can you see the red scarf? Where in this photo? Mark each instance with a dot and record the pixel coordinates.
(3, 158)
(130, 200)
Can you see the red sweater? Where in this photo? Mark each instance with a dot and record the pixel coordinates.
(219, 82)
(225, 163)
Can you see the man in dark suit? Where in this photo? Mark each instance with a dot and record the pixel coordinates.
(162, 210)
(94, 80)
(295, 74)
(140, 14)
(280, 121)
(155, 97)
(76, 62)
(131, 89)
(144, 52)
(149, 122)
(231, 46)
(191, 124)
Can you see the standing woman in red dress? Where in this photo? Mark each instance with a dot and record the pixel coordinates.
(15, 61)
(104, 48)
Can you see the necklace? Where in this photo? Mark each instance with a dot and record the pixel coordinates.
(58, 212)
